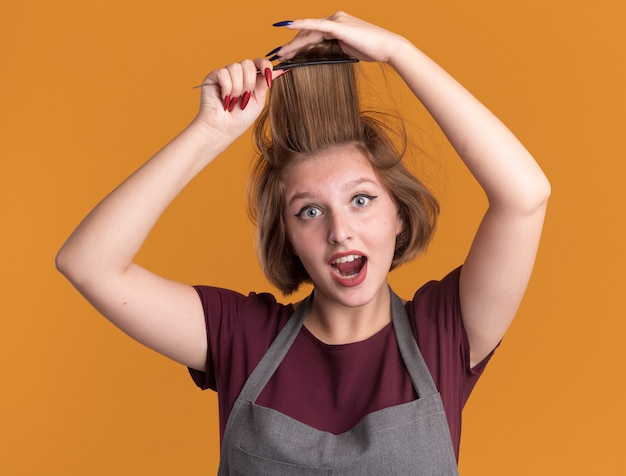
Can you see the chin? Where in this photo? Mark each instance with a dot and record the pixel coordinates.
(357, 296)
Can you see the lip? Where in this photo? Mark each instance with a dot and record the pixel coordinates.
(352, 281)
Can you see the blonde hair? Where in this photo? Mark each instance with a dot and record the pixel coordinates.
(311, 109)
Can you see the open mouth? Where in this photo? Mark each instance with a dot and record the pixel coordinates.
(348, 266)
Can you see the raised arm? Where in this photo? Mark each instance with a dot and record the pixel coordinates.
(500, 261)
(498, 267)
(98, 256)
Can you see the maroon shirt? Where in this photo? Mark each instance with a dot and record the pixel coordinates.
(332, 387)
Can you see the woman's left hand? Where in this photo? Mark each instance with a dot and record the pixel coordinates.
(356, 37)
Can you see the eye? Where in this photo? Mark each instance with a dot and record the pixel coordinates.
(362, 200)
(309, 212)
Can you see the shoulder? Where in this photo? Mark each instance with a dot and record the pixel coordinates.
(225, 300)
(435, 315)
(437, 320)
(239, 328)
(437, 298)
(229, 312)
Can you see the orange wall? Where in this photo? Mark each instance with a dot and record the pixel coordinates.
(89, 90)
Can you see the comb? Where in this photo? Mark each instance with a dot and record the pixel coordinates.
(306, 63)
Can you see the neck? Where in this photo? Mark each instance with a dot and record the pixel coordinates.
(334, 323)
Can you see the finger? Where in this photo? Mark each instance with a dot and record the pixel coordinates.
(217, 82)
(248, 83)
(235, 72)
(312, 31)
(303, 40)
(325, 25)
(265, 73)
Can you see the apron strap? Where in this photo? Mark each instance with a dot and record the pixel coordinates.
(276, 353)
(416, 366)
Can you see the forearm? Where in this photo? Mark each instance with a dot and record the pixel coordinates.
(506, 171)
(107, 240)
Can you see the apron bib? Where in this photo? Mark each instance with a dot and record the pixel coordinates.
(408, 439)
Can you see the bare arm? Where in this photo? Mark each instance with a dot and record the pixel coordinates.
(98, 256)
(497, 269)
(500, 261)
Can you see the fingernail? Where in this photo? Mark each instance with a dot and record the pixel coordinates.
(273, 51)
(232, 103)
(274, 58)
(268, 77)
(283, 23)
(226, 102)
(244, 100)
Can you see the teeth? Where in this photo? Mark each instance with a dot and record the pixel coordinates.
(346, 259)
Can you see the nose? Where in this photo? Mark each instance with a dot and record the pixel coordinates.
(339, 229)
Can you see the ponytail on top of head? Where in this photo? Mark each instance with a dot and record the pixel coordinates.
(314, 107)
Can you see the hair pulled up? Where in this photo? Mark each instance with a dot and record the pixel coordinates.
(312, 109)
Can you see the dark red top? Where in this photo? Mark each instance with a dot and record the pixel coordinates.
(332, 387)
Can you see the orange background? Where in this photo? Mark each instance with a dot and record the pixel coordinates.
(90, 90)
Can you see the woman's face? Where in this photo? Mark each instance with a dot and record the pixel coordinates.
(342, 224)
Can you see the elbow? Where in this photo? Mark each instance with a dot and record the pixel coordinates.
(62, 262)
(68, 264)
(537, 195)
(543, 190)
(531, 197)
(536, 201)
(82, 266)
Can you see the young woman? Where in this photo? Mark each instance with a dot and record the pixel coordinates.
(352, 380)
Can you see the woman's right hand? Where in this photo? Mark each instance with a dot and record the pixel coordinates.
(234, 96)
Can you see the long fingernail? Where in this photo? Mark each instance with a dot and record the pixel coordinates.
(226, 102)
(283, 23)
(274, 58)
(232, 103)
(275, 50)
(244, 100)
(268, 77)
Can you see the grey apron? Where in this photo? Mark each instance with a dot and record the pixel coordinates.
(408, 439)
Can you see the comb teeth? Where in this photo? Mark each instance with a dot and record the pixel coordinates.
(315, 63)
(307, 63)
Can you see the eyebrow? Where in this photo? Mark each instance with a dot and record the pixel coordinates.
(355, 183)
(352, 184)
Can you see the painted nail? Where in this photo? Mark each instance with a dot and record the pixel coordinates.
(268, 77)
(244, 99)
(226, 102)
(283, 23)
(233, 103)
(274, 58)
(275, 50)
